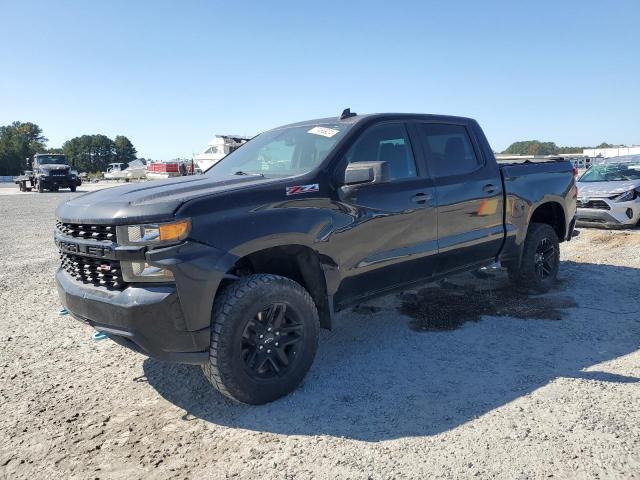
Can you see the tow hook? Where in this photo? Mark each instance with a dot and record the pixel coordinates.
(99, 336)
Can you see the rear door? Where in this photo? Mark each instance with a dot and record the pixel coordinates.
(469, 196)
(392, 238)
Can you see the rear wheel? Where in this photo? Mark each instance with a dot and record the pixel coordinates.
(264, 338)
(73, 188)
(540, 261)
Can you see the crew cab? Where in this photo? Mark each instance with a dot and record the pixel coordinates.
(237, 269)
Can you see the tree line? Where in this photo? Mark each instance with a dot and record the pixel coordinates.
(86, 153)
(535, 147)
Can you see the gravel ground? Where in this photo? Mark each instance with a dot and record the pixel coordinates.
(485, 384)
(12, 189)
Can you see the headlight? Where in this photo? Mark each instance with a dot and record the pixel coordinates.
(143, 272)
(154, 234)
(626, 196)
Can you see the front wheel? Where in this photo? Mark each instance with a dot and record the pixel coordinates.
(72, 188)
(264, 338)
(40, 187)
(540, 261)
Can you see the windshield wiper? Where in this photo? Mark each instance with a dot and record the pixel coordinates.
(240, 172)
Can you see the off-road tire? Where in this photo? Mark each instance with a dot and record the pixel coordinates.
(73, 189)
(40, 188)
(524, 277)
(233, 308)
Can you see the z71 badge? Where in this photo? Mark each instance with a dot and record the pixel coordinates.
(298, 189)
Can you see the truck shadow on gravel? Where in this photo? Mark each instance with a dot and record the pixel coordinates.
(381, 374)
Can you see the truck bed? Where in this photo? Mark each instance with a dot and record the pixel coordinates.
(530, 160)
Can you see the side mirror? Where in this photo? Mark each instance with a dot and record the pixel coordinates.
(366, 172)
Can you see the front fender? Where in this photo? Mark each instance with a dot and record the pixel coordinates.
(198, 270)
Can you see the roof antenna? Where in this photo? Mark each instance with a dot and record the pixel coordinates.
(346, 113)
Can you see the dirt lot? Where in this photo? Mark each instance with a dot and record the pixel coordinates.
(462, 379)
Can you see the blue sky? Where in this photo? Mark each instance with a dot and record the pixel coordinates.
(170, 75)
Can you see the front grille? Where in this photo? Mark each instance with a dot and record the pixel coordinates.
(96, 271)
(598, 204)
(93, 232)
(58, 173)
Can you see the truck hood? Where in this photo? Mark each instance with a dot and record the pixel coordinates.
(148, 201)
(606, 189)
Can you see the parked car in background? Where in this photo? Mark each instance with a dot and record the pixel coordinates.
(609, 193)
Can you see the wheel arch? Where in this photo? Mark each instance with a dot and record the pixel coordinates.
(298, 262)
(551, 213)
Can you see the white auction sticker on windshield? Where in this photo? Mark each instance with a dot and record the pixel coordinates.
(324, 131)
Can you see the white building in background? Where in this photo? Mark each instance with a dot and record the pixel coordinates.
(612, 152)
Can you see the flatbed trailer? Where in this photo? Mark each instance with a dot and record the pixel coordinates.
(25, 182)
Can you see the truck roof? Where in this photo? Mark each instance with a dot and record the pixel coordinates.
(379, 116)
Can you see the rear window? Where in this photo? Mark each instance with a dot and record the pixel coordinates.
(449, 149)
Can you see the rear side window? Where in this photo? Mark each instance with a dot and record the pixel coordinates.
(449, 149)
(385, 143)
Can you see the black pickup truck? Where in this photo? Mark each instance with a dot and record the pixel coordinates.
(237, 269)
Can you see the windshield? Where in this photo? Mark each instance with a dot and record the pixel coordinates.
(283, 152)
(612, 172)
(51, 160)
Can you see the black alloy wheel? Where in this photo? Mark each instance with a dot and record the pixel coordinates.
(264, 336)
(540, 260)
(545, 258)
(270, 342)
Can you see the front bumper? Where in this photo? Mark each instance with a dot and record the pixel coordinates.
(619, 214)
(169, 322)
(146, 319)
(60, 182)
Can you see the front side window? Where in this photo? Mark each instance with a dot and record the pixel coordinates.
(283, 152)
(388, 143)
(449, 149)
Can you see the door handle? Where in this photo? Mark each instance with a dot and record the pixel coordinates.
(421, 198)
(489, 188)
